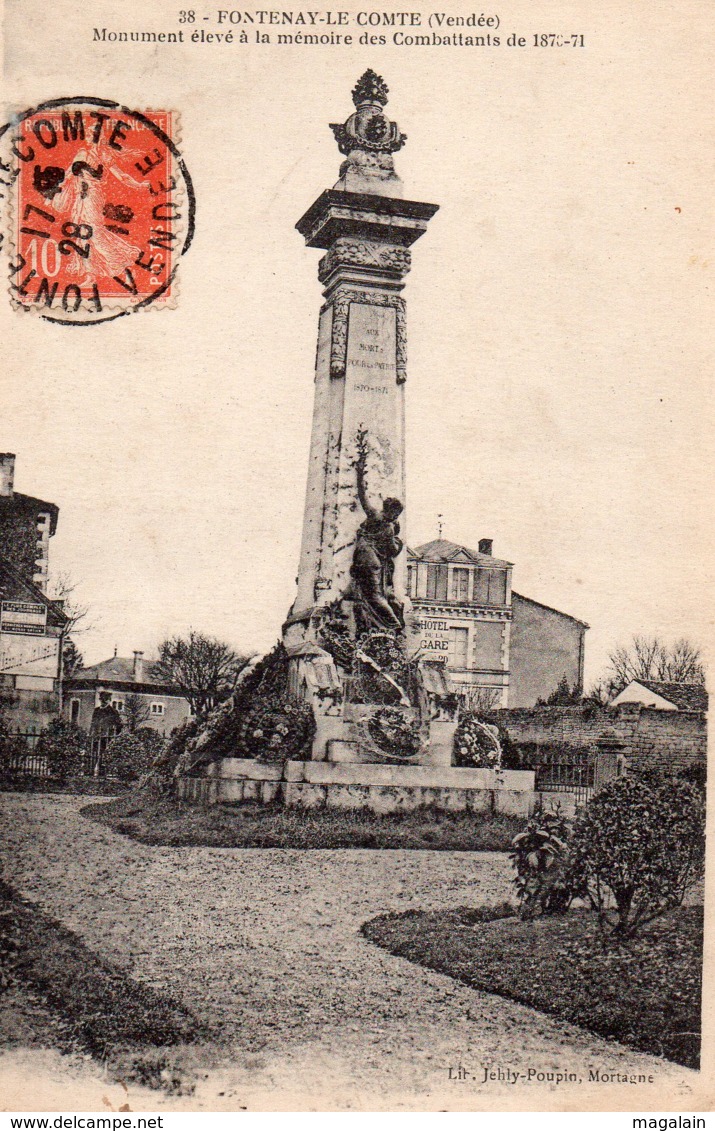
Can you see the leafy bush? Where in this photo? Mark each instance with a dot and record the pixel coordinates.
(63, 745)
(637, 849)
(541, 858)
(696, 773)
(153, 742)
(129, 756)
(476, 743)
(173, 756)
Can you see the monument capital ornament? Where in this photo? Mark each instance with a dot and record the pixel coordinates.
(368, 129)
(368, 139)
(370, 87)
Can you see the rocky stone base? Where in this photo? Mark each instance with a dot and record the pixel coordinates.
(379, 788)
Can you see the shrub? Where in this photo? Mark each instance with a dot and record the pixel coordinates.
(167, 761)
(563, 695)
(127, 757)
(696, 773)
(476, 743)
(637, 849)
(63, 745)
(541, 858)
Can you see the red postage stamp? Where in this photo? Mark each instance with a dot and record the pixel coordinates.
(101, 209)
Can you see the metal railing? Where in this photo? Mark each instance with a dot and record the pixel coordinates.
(568, 771)
(27, 765)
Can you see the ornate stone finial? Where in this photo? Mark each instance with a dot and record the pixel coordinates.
(368, 139)
(370, 88)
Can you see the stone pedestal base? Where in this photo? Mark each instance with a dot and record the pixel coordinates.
(378, 788)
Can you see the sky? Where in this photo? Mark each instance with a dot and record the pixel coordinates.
(558, 385)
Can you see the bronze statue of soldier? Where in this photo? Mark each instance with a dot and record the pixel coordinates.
(377, 544)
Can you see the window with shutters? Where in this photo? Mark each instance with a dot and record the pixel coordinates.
(481, 586)
(490, 587)
(488, 641)
(497, 587)
(436, 582)
(459, 649)
(460, 584)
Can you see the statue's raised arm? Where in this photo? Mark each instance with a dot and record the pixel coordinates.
(360, 468)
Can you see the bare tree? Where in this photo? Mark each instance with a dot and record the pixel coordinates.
(135, 713)
(203, 667)
(649, 657)
(62, 588)
(481, 700)
(600, 693)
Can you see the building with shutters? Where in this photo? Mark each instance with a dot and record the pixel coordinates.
(135, 688)
(26, 526)
(32, 627)
(469, 618)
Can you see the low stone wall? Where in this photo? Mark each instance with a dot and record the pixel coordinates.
(649, 738)
(378, 787)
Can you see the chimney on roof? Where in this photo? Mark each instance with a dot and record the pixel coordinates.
(138, 667)
(7, 473)
(485, 546)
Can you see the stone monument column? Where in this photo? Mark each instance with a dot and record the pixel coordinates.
(357, 451)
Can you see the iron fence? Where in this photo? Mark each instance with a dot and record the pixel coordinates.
(27, 765)
(567, 771)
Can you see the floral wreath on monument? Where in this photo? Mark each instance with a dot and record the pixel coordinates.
(477, 743)
(382, 676)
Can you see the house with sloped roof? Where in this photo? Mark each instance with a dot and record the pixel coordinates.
(508, 649)
(32, 626)
(32, 629)
(26, 526)
(138, 691)
(664, 696)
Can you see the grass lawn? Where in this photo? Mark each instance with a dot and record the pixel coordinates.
(100, 787)
(166, 821)
(58, 992)
(644, 992)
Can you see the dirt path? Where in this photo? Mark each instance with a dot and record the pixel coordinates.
(265, 944)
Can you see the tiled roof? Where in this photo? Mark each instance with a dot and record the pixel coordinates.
(121, 670)
(440, 550)
(516, 597)
(18, 501)
(685, 696)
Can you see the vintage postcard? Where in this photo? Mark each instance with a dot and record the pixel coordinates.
(354, 500)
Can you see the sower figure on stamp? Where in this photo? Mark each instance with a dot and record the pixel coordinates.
(373, 566)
